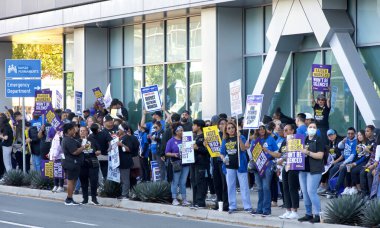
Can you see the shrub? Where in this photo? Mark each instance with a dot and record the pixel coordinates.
(40, 182)
(371, 214)
(157, 192)
(14, 178)
(345, 210)
(110, 189)
(27, 181)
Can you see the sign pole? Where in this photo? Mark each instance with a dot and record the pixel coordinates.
(23, 136)
(238, 138)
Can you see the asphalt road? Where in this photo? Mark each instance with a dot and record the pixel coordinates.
(35, 213)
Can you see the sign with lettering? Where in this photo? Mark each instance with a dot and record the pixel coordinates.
(43, 101)
(235, 98)
(295, 158)
(213, 141)
(151, 98)
(321, 75)
(187, 148)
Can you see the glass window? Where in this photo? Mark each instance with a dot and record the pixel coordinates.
(69, 91)
(176, 40)
(302, 66)
(116, 84)
(132, 94)
(282, 96)
(195, 98)
(254, 30)
(176, 87)
(252, 70)
(154, 42)
(116, 46)
(69, 52)
(268, 18)
(195, 38)
(309, 42)
(154, 75)
(342, 108)
(132, 45)
(368, 16)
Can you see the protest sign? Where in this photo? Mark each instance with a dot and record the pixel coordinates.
(151, 98)
(187, 148)
(99, 96)
(58, 170)
(156, 176)
(54, 120)
(113, 158)
(47, 168)
(321, 75)
(78, 102)
(43, 101)
(58, 101)
(253, 111)
(259, 157)
(213, 140)
(295, 158)
(113, 174)
(107, 97)
(235, 98)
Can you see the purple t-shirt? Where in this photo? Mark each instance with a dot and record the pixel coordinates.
(174, 146)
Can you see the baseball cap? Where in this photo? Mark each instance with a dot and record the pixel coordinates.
(158, 113)
(107, 118)
(331, 132)
(308, 116)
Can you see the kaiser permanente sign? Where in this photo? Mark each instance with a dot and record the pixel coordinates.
(22, 77)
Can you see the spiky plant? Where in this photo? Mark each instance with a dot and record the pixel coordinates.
(345, 210)
(110, 189)
(40, 182)
(371, 214)
(157, 192)
(14, 177)
(27, 181)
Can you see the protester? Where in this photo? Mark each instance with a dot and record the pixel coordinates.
(321, 113)
(366, 177)
(103, 138)
(300, 122)
(180, 171)
(34, 143)
(45, 140)
(142, 136)
(185, 121)
(56, 155)
(310, 177)
(6, 137)
(17, 155)
(155, 144)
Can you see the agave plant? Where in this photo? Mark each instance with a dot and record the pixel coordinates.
(158, 192)
(345, 210)
(27, 181)
(14, 177)
(40, 182)
(371, 214)
(110, 189)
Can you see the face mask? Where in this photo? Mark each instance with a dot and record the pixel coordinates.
(311, 131)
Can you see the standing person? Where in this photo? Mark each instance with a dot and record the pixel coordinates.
(264, 182)
(56, 155)
(185, 121)
(156, 116)
(45, 136)
(128, 148)
(73, 151)
(180, 171)
(321, 113)
(366, 177)
(290, 181)
(35, 142)
(310, 177)
(6, 137)
(155, 140)
(90, 167)
(142, 136)
(230, 156)
(300, 122)
(18, 146)
(199, 168)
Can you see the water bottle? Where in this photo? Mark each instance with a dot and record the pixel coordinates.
(226, 160)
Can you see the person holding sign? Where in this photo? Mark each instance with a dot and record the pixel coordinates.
(229, 154)
(310, 177)
(321, 113)
(270, 149)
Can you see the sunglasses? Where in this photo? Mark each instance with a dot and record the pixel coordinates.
(230, 128)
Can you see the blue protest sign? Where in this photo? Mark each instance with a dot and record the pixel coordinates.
(21, 88)
(22, 68)
(78, 101)
(151, 98)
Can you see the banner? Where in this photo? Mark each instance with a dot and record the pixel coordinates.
(54, 120)
(295, 158)
(156, 175)
(259, 157)
(78, 102)
(187, 148)
(47, 168)
(107, 97)
(99, 96)
(321, 75)
(59, 98)
(113, 174)
(58, 170)
(113, 158)
(235, 98)
(151, 98)
(253, 111)
(212, 138)
(43, 101)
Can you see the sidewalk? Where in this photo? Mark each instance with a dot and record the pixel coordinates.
(240, 218)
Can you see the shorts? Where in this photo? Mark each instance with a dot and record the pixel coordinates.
(72, 174)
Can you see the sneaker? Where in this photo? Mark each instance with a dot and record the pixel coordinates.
(321, 190)
(54, 189)
(70, 202)
(305, 218)
(185, 203)
(285, 215)
(60, 189)
(175, 202)
(265, 214)
(231, 211)
(95, 202)
(293, 215)
(346, 191)
(256, 212)
(316, 219)
(249, 210)
(353, 191)
(85, 201)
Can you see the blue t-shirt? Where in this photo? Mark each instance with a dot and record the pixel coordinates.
(268, 143)
(36, 123)
(149, 126)
(229, 147)
(302, 130)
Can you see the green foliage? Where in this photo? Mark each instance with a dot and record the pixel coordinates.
(371, 214)
(51, 56)
(110, 189)
(345, 210)
(40, 182)
(27, 181)
(157, 192)
(14, 178)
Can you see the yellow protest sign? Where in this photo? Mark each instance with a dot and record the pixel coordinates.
(213, 141)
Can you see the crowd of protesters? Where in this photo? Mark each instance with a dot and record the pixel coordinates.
(334, 165)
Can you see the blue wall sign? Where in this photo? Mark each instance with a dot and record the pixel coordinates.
(21, 87)
(22, 68)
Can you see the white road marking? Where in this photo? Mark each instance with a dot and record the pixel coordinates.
(19, 224)
(12, 212)
(83, 223)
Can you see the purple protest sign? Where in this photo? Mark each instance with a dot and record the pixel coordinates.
(259, 157)
(58, 170)
(99, 96)
(321, 75)
(295, 158)
(54, 120)
(43, 101)
(47, 168)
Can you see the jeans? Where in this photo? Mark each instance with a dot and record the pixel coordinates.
(244, 188)
(366, 179)
(77, 185)
(7, 157)
(263, 184)
(179, 180)
(36, 162)
(309, 184)
(125, 175)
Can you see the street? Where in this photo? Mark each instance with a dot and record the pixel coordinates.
(35, 213)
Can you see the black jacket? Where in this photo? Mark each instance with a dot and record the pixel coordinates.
(165, 138)
(202, 157)
(126, 161)
(35, 144)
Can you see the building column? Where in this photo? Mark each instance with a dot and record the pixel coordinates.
(79, 63)
(5, 53)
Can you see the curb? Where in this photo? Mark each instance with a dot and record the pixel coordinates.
(155, 208)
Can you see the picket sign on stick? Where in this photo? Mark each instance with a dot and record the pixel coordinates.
(249, 154)
(236, 106)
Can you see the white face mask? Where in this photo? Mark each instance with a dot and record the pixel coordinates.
(311, 131)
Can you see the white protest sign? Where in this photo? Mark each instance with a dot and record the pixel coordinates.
(113, 174)
(253, 111)
(235, 98)
(187, 148)
(151, 98)
(113, 158)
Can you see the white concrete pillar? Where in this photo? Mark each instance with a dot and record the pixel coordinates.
(5, 53)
